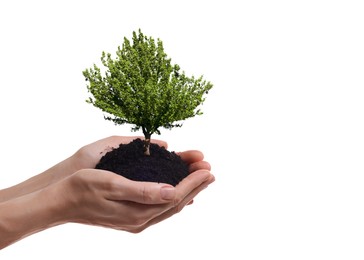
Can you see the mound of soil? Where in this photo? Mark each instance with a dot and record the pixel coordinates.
(161, 165)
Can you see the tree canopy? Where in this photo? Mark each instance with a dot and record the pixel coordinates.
(141, 87)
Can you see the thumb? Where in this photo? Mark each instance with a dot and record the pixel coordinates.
(143, 192)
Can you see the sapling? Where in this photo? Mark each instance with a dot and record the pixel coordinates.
(141, 87)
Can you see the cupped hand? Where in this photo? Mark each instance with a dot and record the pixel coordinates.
(102, 198)
(83, 194)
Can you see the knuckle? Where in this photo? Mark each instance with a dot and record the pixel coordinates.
(146, 195)
(113, 185)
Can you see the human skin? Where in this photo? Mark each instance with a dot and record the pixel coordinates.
(74, 192)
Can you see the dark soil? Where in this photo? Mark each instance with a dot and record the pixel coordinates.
(161, 165)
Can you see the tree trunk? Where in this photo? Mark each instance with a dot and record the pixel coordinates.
(147, 143)
(147, 147)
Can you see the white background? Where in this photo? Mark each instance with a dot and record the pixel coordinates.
(282, 127)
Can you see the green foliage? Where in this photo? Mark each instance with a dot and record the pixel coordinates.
(142, 88)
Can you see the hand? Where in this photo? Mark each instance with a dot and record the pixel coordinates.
(106, 199)
(97, 197)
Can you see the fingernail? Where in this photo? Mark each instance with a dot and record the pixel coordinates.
(168, 193)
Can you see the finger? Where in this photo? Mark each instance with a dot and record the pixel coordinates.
(201, 165)
(191, 156)
(191, 182)
(188, 200)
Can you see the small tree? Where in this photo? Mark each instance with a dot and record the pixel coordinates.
(142, 88)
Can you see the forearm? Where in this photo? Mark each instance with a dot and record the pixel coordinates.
(29, 214)
(40, 181)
